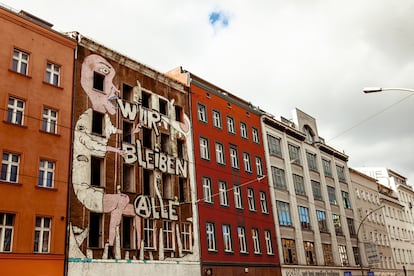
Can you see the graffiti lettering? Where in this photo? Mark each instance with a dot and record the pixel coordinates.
(146, 207)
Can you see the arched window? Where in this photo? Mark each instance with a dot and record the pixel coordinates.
(310, 136)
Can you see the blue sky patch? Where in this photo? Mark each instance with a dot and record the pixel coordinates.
(218, 19)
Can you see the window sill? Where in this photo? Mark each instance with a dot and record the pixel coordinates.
(50, 133)
(52, 189)
(52, 85)
(20, 74)
(17, 184)
(13, 124)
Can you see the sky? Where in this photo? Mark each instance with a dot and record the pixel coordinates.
(314, 55)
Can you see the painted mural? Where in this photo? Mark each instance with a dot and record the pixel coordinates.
(157, 221)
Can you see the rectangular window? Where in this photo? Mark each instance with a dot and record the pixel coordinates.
(97, 123)
(180, 148)
(337, 224)
(163, 106)
(230, 125)
(165, 143)
(207, 190)
(241, 232)
(95, 230)
(279, 180)
(246, 162)
(127, 92)
(147, 138)
(98, 81)
(6, 232)
(269, 243)
(228, 247)
(149, 234)
(251, 199)
(186, 236)
(309, 253)
(311, 158)
(321, 215)
(259, 166)
(345, 200)
(255, 135)
(340, 170)
(96, 171)
(327, 254)
(223, 193)
(316, 190)
(263, 203)
(284, 213)
(299, 184)
(127, 132)
(220, 159)
(46, 174)
(168, 233)
(357, 256)
(146, 99)
(128, 237)
(178, 113)
(304, 217)
(274, 146)
(256, 241)
(49, 120)
(327, 167)
(42, 235)
(289, 251)
(20, 63)
(15, 111)
(52, 74)
(204, 149)
(217, 119)
(128, 178)
(294, 154)
(147, 177)
(202, 113)
(243, 130)
(167, 188)
(351, 227)
(332, 195)
(343, 256)
(211, 237)
(234, 159)
(238, 197)
(10, 167)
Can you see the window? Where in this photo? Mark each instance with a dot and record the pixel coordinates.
(146, 99)
(357, 256)
(284, 213)
(178, 113)
(331, 195)
(343, 256)
(234, 159)
(309, 134)
(52, 74)
(327, 254)
(294, 154)
(228, 247)
(255, 135)
(163, 106)
(217, 119)
(243, 130)
(147, 138)
(10, 167)
(321, 215)
(147, 177)
(327, 167)
(351, 227)
(263, 203)
(96, 171)
(149, 234)
(20, 62)
(168, 233)
(251, 199)
(42, 235)
(230, 125)
(241, 232)
(186, 236)
(95, 230)
(313, 166)
(304, 217)
(204, 149)
(127, 92)
(316, 190)
(15, 111)
(165, 142)
(220, 154)
(211, 237)
(207, 190)
(337, 224)
(279, 180)
(46, 174)
(269, 243)
(223, 193)
(340, 170)
(128, 237)
(274, 145)
(49, 121)
(127, 132)
(289, 251)
(202, 113)
(259, 166)
(299, 185)
(246, 162)
(238, 202)
(97, 123)
(128, 178)
(256, 241)
(98, 81)
(6, 232)
(345, 200)
(309, 253)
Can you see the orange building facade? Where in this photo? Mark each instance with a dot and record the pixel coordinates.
(36, 73)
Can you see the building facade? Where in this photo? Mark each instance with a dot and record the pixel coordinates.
(36, 106)
(312, 196)
(132, 190)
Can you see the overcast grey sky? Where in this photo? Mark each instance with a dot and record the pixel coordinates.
(315, 55)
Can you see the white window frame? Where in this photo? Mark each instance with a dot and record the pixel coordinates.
(256, 241)
(20, 58)
(43, 231)
(202, 113)
(207, 190)
(259, 166)
(228, 246)
(274, 145)
(278, 177)
(223, 193)
(186, 237)
(246, 162)
(149, 234)
(52, 74)
(241, 232)
(46, 174)
(234, 158)
(230, 125)
(220, 157)
(243, 130)
(312, 163)
(6, 241)
(269, 243)
(255, 135)
(263, 203)
(343, 255)
(14, 110)
(217, 119)
(238, 201)
(10, 163)
(211, 236)
(294, 154)
(204, 149)
(250, 199)
(49, 122)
